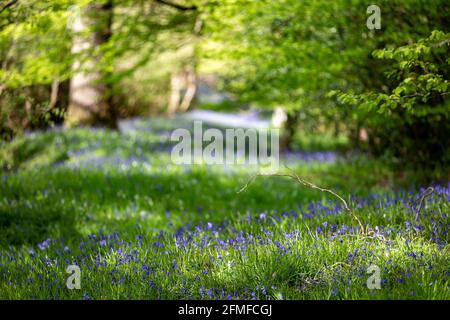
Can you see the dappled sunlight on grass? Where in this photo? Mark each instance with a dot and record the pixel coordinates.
(142, 227)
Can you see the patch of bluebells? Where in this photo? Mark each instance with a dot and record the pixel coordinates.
(108, 254)
(309, 156)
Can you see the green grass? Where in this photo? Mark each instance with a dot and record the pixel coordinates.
(174, 232)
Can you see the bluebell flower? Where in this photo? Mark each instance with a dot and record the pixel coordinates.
(179, 233)
(412, 255)
(44, 244)
(334, 291)
(408, 226)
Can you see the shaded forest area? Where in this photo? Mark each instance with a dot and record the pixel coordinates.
(93, 63)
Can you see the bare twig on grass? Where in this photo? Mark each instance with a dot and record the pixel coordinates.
(307, 184)
(417, 205)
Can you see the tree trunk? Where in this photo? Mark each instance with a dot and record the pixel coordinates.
(279, 117)
(89, 98)
(191, 84)
(289, 131)
(185, 80)
(176, 80)
(54, 93)
(355, 136)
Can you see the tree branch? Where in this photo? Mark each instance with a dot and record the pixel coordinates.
(9, 4)
(176, 6)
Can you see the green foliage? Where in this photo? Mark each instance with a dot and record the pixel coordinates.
(416, 104)
(421, 72)
(298, 53)
(288, 53)
(148, 42)
(34, 53)
(224, 106)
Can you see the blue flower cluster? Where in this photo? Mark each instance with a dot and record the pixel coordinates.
(153, 262)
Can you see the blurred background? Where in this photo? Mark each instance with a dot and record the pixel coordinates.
(313, 68)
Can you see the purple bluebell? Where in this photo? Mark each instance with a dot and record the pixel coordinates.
(44, 245)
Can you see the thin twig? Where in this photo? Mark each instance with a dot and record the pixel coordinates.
(307, 184)
(416, 208)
